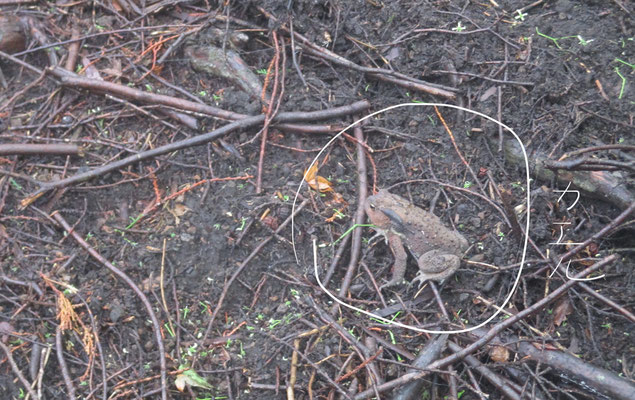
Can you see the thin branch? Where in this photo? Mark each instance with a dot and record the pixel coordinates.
(155, 322)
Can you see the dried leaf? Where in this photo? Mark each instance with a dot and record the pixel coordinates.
(561, 311)
(338, 198)
(180, 210)
(114, 69)
(320, 184)
(544, 346)
(499, 354)
(5, 330)
(90, 71)
(310, 173)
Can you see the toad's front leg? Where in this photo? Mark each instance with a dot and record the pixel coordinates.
(401, 257)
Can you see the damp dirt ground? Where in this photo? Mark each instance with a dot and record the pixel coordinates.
(560, 74)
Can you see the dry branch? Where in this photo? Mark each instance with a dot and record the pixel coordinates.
(196, 141)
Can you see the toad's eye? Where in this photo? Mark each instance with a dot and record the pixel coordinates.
(372, 206)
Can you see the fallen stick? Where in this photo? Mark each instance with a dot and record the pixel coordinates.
(122, 275)
(493, 332)
(195, 141)
(38, 149)
(71, 80)
(609, 186)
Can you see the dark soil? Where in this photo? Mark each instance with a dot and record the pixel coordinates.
(561, 74)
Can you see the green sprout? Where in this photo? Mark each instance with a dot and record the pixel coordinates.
(617, 71)
(554, 40)
(338, 214)
(262, 71)
(520, 16)
(458, 28)
(467, 185)
(202, 93)
(15, 184)
(583, 41)
(243, 222)
(274, 322)
(625, 63)
(349, 230)
(123, 236)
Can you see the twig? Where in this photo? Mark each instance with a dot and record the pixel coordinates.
(598, 378)
(585, 163)
(62, 364)
(619, 3)
(241, 267)
(275, 62)
(363, 351)
(194, 141)
(12, 2)
(428, 354)
(492, 333)
(629, 315)
(485, 78)
(311, 363)
(155, 322)
(365, 363)
(39, 149)
(69, 79)
(293, 369)
(360, 214)
(384, 74)
(293, 56)
(618, 220)
(509, 389)
(597, 148)
(458, 151)
(73, 50)
(16, 370)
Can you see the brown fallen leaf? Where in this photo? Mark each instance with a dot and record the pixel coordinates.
(499, 354)
(315, 181)
(563, 308)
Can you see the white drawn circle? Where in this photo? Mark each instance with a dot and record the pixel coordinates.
(500, 307)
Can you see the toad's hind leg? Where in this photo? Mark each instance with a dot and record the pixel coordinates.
(435, 265)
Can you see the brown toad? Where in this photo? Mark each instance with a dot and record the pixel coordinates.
(436, 248)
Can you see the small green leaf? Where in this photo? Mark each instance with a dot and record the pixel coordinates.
(191, 378)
